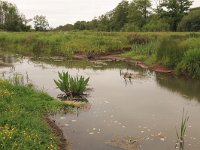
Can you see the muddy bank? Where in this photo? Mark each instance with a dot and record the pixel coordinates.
(117, 57)
(63, 145)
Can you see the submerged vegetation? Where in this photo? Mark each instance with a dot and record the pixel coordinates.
(22, 123)
(71, 86)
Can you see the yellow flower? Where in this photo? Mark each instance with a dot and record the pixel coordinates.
(5, 93)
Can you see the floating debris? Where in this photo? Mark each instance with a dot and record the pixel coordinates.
(147, 138)
(123, 126)
(162, 139)
(73, 120)
(126, 143)
(94, 129)
(160, 133)
(107, 102)
(91, 133)
(142, 131)
(66, 125)
(62, 118)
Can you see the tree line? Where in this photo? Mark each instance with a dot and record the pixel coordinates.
(139, 15)
(127, 16)
(12, 20)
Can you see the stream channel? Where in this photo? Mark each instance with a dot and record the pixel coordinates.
(142, 113)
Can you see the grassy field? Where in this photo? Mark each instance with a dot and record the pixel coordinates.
(178, 51)
(22, 123)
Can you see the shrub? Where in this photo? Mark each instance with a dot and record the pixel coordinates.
(138, 39)
(73, 86)
(190, 64)
(191, 22)
(170, 53)
(156, 26)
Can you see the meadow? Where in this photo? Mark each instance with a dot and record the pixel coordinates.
(179, 51)
(22, 124)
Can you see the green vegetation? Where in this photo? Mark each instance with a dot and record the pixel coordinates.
(73, 86)
(22, 123)
(190, 22)
(141, 15)
(181, 134)
(178, 51)
(40, 23)
(61, 44)
(11, 19)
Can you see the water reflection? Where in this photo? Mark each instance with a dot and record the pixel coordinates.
(187, 88)
(8, 59)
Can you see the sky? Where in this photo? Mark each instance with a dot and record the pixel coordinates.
(61, 12)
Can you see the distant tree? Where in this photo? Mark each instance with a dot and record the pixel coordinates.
(144, 7)
(155, 24)
(119, 16)
(81, 25)
(190, 22)
(174, 10)
(40, 23)
(104, 22)
(10, 19)
(135, 19)
(67, 27)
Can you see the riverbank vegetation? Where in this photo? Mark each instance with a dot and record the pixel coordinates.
(22, 123)
(177, 51)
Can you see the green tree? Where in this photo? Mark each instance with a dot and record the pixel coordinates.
(119, 16)
(67, 27)
(155, 24)
(135, 20)
(104, 22)
(138, 13)
(40, 23)
(10, 19)
(190, 22)
(174, 10)
(81, 25)
(144, 7)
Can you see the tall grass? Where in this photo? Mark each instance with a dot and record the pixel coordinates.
(190, 64)
(181, 134)
(60, 44)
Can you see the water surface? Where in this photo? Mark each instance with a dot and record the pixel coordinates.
(148, 107)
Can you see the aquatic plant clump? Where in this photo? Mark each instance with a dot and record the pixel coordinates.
(71, 86)
(181, 134)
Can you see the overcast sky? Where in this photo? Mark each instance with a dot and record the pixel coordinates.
(60, 12)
